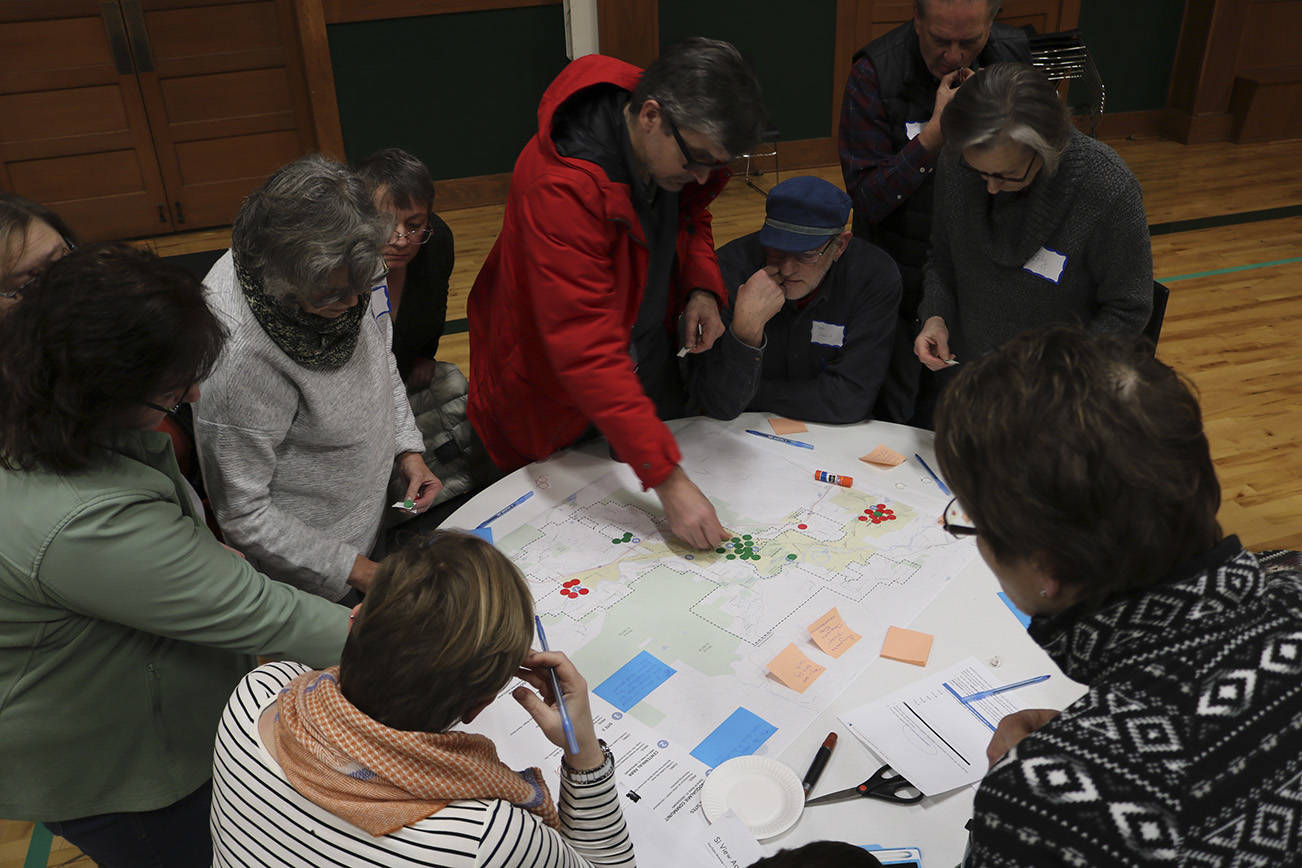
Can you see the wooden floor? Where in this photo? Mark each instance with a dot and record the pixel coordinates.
(1228, 332)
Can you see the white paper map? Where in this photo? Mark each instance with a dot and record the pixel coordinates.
(680, 639)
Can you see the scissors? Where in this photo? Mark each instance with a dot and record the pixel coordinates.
(886, 784)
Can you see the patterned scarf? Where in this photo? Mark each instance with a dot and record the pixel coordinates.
(382, 779)
(312, 341)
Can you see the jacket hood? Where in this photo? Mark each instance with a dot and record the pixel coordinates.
(580, 74)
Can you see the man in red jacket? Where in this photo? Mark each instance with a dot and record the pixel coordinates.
(605, 259)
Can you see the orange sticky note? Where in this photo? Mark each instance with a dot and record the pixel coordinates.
(883, 456)
(832, 635)
(907, 646)
(794, 669)
(787, 426)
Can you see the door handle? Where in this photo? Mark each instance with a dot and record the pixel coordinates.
(139, 35)
(117, 37)
(180, 215)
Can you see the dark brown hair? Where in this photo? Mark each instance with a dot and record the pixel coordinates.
(820, 854)
(405, 179)
(1083, 451)
(105, 328)
(16, 217)
(445, 625)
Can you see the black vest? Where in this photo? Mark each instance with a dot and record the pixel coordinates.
(908, 93)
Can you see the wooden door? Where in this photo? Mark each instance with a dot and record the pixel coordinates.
(73, 128)
(223, 88)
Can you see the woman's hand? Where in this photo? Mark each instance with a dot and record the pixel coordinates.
(543, 710)
(932, 344)
(422, 485)
(420, 375)
(1015, 727)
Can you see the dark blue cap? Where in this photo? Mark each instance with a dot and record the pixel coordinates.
(803, 213)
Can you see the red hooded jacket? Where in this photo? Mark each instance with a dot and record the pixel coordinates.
(552, 311)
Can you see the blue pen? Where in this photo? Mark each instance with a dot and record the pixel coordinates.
(571, 743)
(939, 481)
(779, 439)
(995, 691)
(504, 510)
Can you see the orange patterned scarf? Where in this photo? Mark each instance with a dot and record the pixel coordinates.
(382, 779)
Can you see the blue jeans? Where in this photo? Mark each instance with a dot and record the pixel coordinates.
(172, 837)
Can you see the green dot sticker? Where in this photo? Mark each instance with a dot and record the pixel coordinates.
(736, 539)
(791, 557)
(732, 557)
(409, 504)
(617, 540)
(745, 536)
(719, 551)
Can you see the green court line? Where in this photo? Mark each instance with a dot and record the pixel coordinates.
(38, 848)
(1229, 270)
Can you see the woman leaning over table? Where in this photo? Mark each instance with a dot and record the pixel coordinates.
(1035, 224)
(304, 418)
(1082, 467)
(31, 237)
(360, 764)
(124, 624)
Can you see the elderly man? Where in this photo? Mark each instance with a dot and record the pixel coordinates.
(813, 308)
(890, 132)
(605, 245)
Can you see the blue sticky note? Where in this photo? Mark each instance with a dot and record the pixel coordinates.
(741, 734)
(1021, 616)
(482, 532)
(633, 681)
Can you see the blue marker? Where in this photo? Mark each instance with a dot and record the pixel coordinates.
(779, 439)
(571, 743)
(939, 481)
(504, 510)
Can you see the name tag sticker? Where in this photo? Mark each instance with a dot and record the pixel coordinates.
(380, 300)
(826, 333)
(1047, 264)
(912, 128)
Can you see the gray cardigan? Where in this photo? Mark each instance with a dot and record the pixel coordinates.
(297, 461)
(996, 266)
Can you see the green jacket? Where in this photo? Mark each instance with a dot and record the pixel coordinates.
(124, 627)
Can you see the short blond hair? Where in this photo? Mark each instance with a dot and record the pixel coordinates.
(445, 625)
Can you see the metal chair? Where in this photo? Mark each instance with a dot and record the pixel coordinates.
(770, 137)
(1065, 57)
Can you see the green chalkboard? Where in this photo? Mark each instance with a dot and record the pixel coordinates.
(791, 46)
(460, 91)
(1133, 45)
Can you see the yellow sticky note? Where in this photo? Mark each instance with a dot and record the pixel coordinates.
(907, 646)
(883, 456)
(787, 426)
(794, 669)
(832, 635)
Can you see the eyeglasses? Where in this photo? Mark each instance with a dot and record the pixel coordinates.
(805, 257)
(995, 176)
(955, 521)
(692, 162)
(172, 411)
(415, 236)
(38, 272)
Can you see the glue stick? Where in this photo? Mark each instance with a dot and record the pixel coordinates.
(833, 479)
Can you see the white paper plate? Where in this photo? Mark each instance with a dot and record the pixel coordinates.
(764, 794)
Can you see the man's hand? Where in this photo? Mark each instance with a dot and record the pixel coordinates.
(758, 299)
(932, 344)
(422, 485)
(691, 516)
(422, 371)
(701, 315)
(931, 136)
(1015, 727)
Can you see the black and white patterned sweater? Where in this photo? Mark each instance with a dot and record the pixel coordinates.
(1187, 750)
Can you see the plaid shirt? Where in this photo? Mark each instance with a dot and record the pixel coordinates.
(877, 178)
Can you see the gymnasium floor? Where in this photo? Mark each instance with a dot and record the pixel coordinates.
(1227, 240)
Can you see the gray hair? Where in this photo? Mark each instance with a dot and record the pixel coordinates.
(920, 7)
(312, 217)
(706, 86)
(1008, 102)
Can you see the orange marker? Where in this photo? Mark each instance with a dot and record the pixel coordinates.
(833, 479)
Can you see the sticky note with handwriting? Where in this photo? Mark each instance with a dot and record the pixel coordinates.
(831, 634)
(794, 669)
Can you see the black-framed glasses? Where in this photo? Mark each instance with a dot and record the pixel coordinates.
(804, 257)
(955, 520)
(27, 284)
(160, 408)
(692, 162)
(995, 176)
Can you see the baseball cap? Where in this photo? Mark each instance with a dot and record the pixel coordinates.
(803, 213)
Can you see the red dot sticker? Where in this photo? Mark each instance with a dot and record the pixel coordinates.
(583, 590)
(881, 506)
(863, 518)
(877, 521)
(571, 583)
(564, 593)
(890, 518)
(803, 526)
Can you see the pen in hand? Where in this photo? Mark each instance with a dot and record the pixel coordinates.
(571, 743)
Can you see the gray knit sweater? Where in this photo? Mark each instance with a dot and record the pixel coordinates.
(297, 461)
(996, 266)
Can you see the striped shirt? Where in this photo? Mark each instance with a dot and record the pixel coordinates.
(259, 819)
